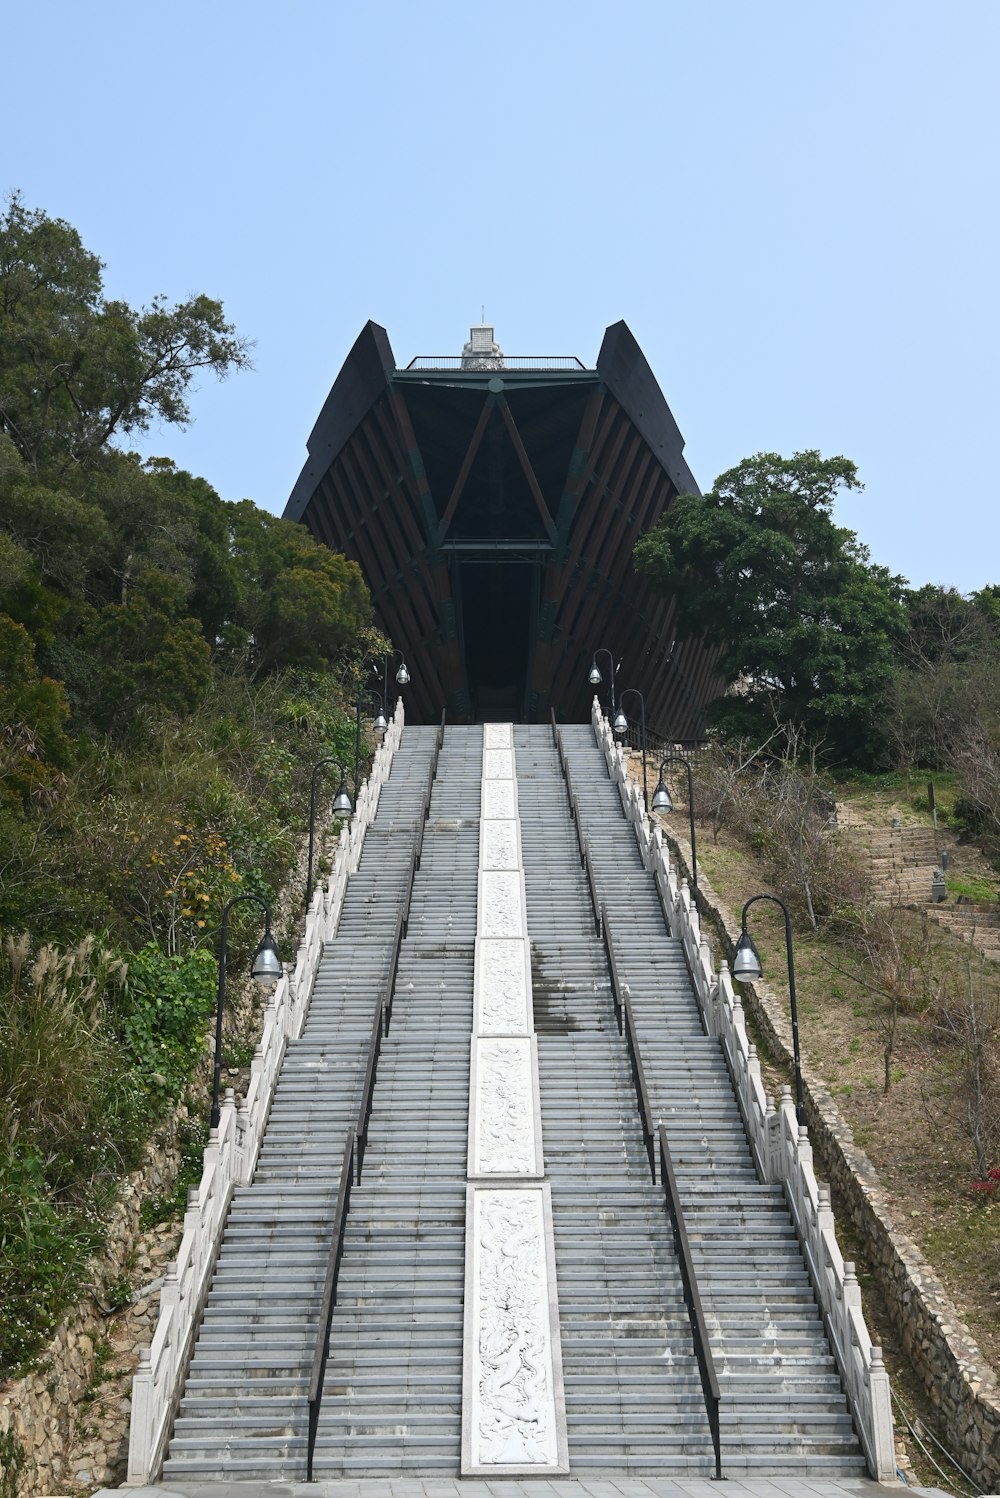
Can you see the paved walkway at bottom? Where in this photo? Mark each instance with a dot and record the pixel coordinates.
(807, 1486)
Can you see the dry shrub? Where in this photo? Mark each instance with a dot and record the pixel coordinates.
(967, 1015)
(779, 804)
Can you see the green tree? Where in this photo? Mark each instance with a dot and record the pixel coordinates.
(76, 369)
(301, 603)
(805, 622)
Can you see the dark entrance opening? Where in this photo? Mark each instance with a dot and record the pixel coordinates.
(498, 610)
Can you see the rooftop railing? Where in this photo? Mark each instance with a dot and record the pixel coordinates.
(484, 363)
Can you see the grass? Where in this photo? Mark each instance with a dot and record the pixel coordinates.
(976, 886)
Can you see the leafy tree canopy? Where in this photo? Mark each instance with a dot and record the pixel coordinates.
(76, 369)
(805, 622)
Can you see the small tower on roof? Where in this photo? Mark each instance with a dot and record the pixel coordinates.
(481, 351)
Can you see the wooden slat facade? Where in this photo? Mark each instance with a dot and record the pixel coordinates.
(423, 508)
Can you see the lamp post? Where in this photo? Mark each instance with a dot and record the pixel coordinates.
(621, 728)
(342, 805)
(595, 678)
(380, 724)
(747, 967)
(266, 969)
(402, 675)
(662, 802)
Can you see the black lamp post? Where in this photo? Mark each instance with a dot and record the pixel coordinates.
(379, 727)
(747, 967)
(595, 678)
(621, 728)
(266, 969)
(402, 675)
(342, 805)
(662, 802)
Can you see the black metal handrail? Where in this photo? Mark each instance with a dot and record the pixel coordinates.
(587, 864)
(382, 1017)
(692, 1300)
(367, 1091)
(626, 1027)
(477, 363)
(425, 811)
(329, 1299)
(438, 745)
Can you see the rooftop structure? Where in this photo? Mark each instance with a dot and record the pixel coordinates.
(493, 503)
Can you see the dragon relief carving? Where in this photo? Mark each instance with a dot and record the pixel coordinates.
(498, 764)
(503, 1006)
(505, 1114)
(498, 800)
(499, 844)
(515, 1418)
(500, 912)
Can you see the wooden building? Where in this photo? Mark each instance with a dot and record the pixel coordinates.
(493, 505)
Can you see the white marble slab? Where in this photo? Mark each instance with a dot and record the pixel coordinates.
(499, 844)
(513, 1413)
(505, 1125)
(502, 987)
(499, 799)
(501, 903)
(498, 764)
(498, 735)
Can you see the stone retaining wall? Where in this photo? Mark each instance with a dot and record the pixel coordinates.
(70, 1414)
(958, 1381)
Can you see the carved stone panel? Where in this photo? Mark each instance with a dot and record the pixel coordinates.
(501, 907)
(498, 764)
(513, 1415)
(499, 845)
(504, 1127)
(498, 735)
(499, 799)
(502, 987)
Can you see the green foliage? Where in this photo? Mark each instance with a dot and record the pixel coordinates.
(168, 1001)
(12, 1462)
(170, 669)
(75, 369)
(33, 713)
(806, 623)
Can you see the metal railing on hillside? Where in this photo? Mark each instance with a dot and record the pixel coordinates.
(329, 1299)
(692, 1299)
(626, 1027)
(357, 1136)
(651, 1133)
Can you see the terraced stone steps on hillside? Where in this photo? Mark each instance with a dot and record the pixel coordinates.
(782, 1405)
(243, 1411)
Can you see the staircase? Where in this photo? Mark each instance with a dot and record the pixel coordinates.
(782, 1405)
(633, 1396)
(244, 1407)
(901, 860)
(393, 1392)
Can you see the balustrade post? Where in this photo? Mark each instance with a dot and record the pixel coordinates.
(772, 1124)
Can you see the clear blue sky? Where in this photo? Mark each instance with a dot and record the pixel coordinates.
(794, 205)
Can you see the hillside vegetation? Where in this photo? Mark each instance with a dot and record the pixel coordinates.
(171, 667)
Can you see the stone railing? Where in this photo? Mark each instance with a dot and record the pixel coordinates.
(233, 1148)
(781, 1147)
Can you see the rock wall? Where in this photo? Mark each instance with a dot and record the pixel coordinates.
(959, 1383)
(70, 1414)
